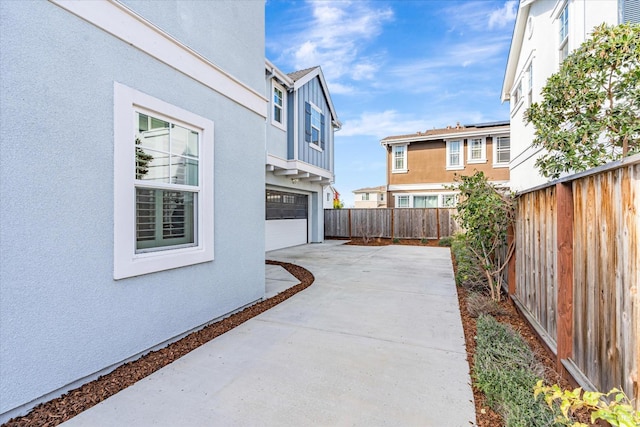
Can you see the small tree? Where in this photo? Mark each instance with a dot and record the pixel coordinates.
(590, 111)
(486, 213)
(338, 204)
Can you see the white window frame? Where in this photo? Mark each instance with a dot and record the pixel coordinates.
(317, 110)
(563, 33)
(530, 83)
(406, 197)
(365, 197)
(451, 166)
(128, 263)
(283, 114)
(444, 196)
(483, 150)
(497, 164)
(432, 195)
(399, 148)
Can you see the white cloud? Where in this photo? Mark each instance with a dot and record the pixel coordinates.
(505, 15)
(334, 36)
(381, 124)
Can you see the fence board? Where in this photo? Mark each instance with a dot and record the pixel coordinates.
(600, 302)
(535, 259)
(404, 223)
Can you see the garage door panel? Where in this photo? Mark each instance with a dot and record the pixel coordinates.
(283, 233)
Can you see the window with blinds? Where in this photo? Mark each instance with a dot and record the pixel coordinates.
(166, 183)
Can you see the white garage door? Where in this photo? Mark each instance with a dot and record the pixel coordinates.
(286, 219)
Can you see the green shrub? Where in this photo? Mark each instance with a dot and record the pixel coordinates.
(613, 407)
(396, 240)
(468, 273)
(506, 371)
(423, 241)
(445, 241)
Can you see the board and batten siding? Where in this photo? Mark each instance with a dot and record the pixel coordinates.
(312, 92)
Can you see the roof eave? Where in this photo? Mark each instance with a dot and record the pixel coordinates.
(515, 48)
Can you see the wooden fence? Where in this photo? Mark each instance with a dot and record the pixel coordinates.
(577, 272)
(402, 223)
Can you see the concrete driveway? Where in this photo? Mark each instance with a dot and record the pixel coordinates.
(376, 340)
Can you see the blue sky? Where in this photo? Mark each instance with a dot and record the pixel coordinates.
(395, 67)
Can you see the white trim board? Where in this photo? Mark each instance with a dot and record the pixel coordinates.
(121, 22)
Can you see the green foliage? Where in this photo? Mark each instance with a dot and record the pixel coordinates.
(613, 407)
(485, 214)
(396, 240)
(424, 241)
(590, 111)
(468, 273)
(338, 204)
(142, 161)
(445, 241)
(505, 371)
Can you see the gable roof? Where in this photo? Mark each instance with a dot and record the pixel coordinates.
(515, 48)
(297, 75)
(458, 131)
(379, 189)
(297, 79)
(302, 77)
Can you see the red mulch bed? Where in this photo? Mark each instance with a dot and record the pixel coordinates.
(381, 241)
(63, 408)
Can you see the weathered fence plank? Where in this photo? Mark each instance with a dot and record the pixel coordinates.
(578, 272)
(409, 223)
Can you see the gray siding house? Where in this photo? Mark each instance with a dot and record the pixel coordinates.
(300, 155)
(128, 131)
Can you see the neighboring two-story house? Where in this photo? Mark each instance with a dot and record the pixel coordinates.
(545, 32)
(371, 197)
(421, 166)
(300, 156)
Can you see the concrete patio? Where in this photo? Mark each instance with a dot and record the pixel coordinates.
(376, 340)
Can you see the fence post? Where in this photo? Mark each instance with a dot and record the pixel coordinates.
(564, 221)
(393, 215)
(349, 216)
(511, 266)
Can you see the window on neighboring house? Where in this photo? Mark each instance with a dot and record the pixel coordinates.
(530, 85)
(365, 196)
(163, 191)
(328, 197)
(517, 95)
(455, 158)
(382, 197)
(399, 158)
(314, 125)
(449, 200)
(477, 150)
(564, 32)
(425, 201)
(278, 105)
(402, 201)
(502, 150)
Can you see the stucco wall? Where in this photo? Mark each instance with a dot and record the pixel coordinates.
(426, 162)
(62, 316)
